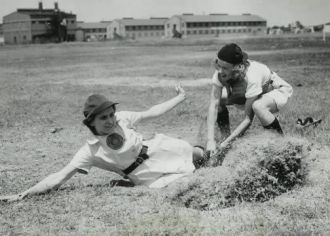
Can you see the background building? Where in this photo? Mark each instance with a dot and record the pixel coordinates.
(137, 28)
(39, 25)
(189, 25)
(2, 40)
(88, 31)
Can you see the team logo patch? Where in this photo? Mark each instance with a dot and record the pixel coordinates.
(115, 141)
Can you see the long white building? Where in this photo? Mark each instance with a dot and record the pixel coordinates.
(131, 28)
(214, 25)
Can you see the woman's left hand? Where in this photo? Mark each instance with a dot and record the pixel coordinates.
(180, 91)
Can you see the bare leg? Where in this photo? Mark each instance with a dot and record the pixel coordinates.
(264, 108)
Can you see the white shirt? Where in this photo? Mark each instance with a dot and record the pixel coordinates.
(169, 158)
(257, 75)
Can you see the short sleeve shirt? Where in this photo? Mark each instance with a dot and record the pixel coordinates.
(96, 152)
(169, 158)
(256, 76)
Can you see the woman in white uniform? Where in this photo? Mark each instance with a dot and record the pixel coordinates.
(116, 146)
(248, 84)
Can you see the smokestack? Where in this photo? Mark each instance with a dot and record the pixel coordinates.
(56, 5)
(40, 5)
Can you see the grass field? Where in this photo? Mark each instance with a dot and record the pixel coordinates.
(43, 88)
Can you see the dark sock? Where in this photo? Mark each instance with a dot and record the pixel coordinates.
(223, 121)
(275, 125)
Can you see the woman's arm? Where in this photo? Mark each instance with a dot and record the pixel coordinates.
(244, 125)
(215, 97)
(51, 182)
(164, 107)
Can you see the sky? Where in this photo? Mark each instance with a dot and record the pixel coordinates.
(276, 12)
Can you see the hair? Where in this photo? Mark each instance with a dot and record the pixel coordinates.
(91, 119)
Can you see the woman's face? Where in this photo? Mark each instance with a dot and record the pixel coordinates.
(225, 69)
(105, 121)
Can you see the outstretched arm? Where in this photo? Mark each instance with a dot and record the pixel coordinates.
(164, 107)
(51, 182)
(212, 116)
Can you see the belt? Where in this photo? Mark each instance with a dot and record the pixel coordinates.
(139, 160)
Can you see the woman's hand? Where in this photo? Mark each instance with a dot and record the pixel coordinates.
(12, 198)
(180, 91)
(211, 147)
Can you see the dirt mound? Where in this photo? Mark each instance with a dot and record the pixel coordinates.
(257, 169)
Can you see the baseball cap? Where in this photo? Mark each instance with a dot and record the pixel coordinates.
(232, 54)
(95, 104)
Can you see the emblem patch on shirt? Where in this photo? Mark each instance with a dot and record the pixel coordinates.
(115, 141)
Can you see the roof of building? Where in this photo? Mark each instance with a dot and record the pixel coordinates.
(42, 12)
(92, 25)
(220, 18)
(151, 21)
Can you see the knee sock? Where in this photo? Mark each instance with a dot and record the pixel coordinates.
(275, 125)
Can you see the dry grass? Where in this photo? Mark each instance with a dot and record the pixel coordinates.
(42, 88)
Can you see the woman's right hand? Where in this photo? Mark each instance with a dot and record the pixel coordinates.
(211, 147)
(12, 198)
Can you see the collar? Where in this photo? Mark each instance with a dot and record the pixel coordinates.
(93, 140)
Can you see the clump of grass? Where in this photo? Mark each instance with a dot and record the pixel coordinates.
(276, 173)
(255, 171)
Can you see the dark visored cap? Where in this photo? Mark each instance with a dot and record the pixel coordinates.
(94, 105)
(232, 54)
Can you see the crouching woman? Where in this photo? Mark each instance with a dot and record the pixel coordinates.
(116, 146)
(248, 84)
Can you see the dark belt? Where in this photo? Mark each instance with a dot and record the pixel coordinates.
(139, 160)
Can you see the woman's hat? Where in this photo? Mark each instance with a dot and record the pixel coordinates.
(94, 105)
(232, 54)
